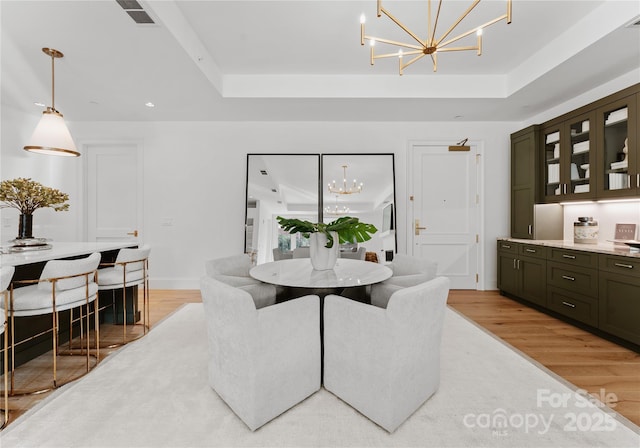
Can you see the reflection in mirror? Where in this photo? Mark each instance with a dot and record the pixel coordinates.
(279, 185)
(366, 192)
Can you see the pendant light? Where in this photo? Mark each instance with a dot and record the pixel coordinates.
(51, 136)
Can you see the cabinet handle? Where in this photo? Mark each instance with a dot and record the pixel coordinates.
(567, 277)
(506, 246)
(621, 265)
(530, 229)
(518, 265)
(514, 263)
(571, 305)
(533, 251)
(572, 257)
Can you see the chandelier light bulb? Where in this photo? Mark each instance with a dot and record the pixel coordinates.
(479, 32)
(363, 19)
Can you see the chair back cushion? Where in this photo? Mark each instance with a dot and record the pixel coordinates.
(128, 255)
(301, 252)
(67, 268)
(408, 265)
(236, 265)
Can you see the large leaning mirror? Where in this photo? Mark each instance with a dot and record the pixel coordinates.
(279, 185)
(291, 185)
(363, 186)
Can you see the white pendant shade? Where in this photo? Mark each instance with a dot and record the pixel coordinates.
(52, 136)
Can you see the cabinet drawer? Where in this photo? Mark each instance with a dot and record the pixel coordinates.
(575, 306)
(508, 247)
(620, 265)
(573, 278)
(573, 257)
(533, 250)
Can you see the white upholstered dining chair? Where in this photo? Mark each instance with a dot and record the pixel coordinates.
(385, 363)
(261, 361)
(234, 271)
(407, 271)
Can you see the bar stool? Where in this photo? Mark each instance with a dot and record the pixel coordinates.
(63, 285)
(131, 268)
(6, 273)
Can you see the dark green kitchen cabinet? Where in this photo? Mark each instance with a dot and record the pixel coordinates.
(522, 273)
(620, 297)
(524, 180)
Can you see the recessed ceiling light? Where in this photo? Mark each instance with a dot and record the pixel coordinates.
(149, 104)
(39, 104)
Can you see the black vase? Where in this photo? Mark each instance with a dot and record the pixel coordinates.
(25, 227)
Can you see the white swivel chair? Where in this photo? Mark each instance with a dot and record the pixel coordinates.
(385, 363)
(130, 269)
(6, 273)
(63, 285)
(407, 271)
(261, 361)
(234, 271)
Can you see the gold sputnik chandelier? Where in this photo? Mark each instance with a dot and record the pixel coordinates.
(344, 189)
(432, 45)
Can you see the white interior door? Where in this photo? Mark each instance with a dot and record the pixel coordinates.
(445, 222)
(114, 191)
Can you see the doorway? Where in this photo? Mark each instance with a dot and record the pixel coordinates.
(445, 211)
(114, 191)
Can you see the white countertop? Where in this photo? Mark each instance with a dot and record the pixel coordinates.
(299, 273)
(60, 250)
(603, 248)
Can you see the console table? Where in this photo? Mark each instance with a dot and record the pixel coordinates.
(29, 266)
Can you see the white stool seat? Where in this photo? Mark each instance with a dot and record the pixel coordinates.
(110, 278)
(32, 301)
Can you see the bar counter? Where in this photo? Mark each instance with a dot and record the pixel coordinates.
(29, 266)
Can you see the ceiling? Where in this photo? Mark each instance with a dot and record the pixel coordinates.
(302, 59)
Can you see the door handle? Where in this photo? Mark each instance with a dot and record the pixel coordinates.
(134, 233)
(418, 228)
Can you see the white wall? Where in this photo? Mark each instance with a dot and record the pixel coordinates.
(194, 173)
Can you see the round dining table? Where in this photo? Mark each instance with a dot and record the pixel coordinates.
(299, 273)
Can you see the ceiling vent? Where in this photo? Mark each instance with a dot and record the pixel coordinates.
(263, 172)
(136, 12)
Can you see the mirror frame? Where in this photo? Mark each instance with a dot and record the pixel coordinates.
(318, 161)
(394, 224)
(320, 190)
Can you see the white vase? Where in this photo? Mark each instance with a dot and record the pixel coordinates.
(323, 258)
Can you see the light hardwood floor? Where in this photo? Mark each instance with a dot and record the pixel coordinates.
(589, 362)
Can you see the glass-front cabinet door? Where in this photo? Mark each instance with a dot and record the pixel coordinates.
(568, 157)
(580, 149)
(553, 188)
(618, 173)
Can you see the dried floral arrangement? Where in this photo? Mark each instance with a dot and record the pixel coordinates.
(28, 195)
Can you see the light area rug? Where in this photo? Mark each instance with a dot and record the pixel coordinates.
(154, 393)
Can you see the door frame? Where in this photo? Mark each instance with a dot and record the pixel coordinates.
(479, 144)
(139, 184)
